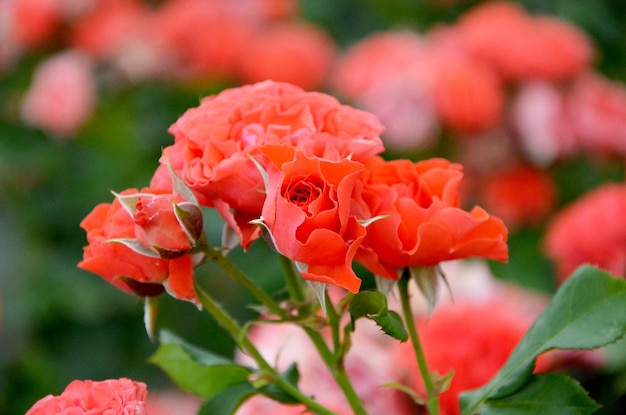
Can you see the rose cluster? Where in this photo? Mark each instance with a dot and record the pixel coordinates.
(302, 170)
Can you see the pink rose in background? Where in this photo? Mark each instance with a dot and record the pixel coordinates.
(62, 95)
(294, 52)
(205, 37)
(286, 344)
(467, 95)
(172, 402)
(519, 46)
(109, 397)
(590, 230)
(373, 59)
(539, 117)
(596, 108)
(214, 143)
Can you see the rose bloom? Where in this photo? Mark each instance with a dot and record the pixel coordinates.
(126, 269)
(590, 230)
(520, 46)
(109, 397)
(423, 224)
(215, 141)
(308, 214)
(104, 30)
(474, 339)
(205, 37)
(293, 52)
(62, 95)
(540, 119)
(596, 108)
(468, 96)
(375, 58)
(34, 22)
(519, 195)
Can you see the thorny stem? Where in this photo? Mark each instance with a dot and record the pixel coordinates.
(334, 365)
(432, 402)
(233, 328)
(242, 279)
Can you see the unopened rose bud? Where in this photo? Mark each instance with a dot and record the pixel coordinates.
(167, 227)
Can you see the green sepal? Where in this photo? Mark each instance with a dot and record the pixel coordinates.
(135, 246)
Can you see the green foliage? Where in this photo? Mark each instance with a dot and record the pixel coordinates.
(198, 371)
(589, 311)
(373, 305)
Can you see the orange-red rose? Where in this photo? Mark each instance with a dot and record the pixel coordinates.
(308, 213)
(214, 142)
(125, 268)
(424, 224)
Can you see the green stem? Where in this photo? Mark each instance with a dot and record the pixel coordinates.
(295, 288)
(233, 328)
(432, 402)
(242, 279)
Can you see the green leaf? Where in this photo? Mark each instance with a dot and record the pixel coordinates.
(587, 312)
(198, 371)
(291, 375)
(226, 401)
(373, 305)
(544, 394)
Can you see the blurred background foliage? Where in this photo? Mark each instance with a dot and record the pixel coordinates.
(59, 323)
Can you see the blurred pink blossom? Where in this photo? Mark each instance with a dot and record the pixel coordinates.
(597, 112)
(62, 95)
(294, 52)
(172, 402)
(590, 230)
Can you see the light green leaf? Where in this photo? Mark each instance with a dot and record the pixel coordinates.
(544, 394)
(198, 371)
(587, 312)
(373, 305)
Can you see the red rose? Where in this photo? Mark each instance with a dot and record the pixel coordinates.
(425, 225)
(111, 397)
(308, 214)
(214, 143)
(122, 266)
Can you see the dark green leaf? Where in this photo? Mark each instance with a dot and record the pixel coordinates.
(544, 394)
(373, 305)
(226, 401)
(589, 311)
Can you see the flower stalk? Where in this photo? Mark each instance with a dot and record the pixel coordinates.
(432, 395)
(243, 341)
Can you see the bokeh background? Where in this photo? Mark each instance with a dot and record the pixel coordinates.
(135, 78)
